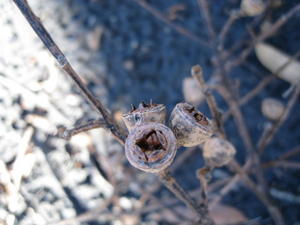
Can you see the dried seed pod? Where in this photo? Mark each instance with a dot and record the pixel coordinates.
(192, 91)
(218, 152)
(145, 113)
(252, 7)
(150, 147)
(272, 108)
(190, 126)
(274, 60)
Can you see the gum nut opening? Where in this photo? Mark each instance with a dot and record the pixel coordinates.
(150, 147)
(218, 152)
(144, 113)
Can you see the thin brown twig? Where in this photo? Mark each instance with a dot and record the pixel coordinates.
(269, 135)
(239, 119)
(261, 37)
(197, 73)
(37, 26)
(290, 153)
(164, 19)
(204, 8)
(90, 125)
(262, 84)
(243, 38)
(45, 37)
(273, 210)
(232, 101)
(234, 15)
(204, 175)
(250, 95)
(231, 183)
(176, 165)
(226, 188)
(243, 130)
(240, 122)
(173, 185)
(282, 163)
(194, 193)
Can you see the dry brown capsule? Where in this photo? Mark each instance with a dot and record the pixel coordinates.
(145, 113)
(272, 108)
(150, 147)
(190, 126)
(218, 152)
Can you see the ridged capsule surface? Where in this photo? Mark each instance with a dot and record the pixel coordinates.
(145, 113)
(190, 126)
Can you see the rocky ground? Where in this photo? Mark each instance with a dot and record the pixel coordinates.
(126, 55)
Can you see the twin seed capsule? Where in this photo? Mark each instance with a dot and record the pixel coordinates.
(190, 126)
(151, 146)
(145, 113)
(218, 152)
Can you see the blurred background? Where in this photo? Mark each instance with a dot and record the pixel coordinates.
(127, 53)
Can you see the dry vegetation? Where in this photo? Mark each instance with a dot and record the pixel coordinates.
(129, 196)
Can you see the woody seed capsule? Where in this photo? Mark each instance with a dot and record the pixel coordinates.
(150, 147)
(145, 113)
(190, 126)
(218, 152)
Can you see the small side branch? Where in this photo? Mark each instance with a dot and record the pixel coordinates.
(263, 36)
(90, 125)
(170, 182)
(204, 7)
(197, 73)
(43, 34)
(164, 19)
(269, 135)
(271, 207)
(234, 15)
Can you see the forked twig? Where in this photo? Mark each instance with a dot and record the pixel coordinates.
(269, 135)
(256, 90)
(172, 184)
(273, 210)
(37, 26)
(204, 7)
(264, 35)
(234, 15)
(197, 73)
(282, 163)
(68, 133)
(164, 19)
(43, 34)
(232, 101)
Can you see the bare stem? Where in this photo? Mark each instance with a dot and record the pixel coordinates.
(197, 73)
(90, 125)
(269, 135)
(169, 181)
(273, 210)
(45, 37)
(204, 175)
(264, 35)
(164, 19)
(204, 7)
(234, 15)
